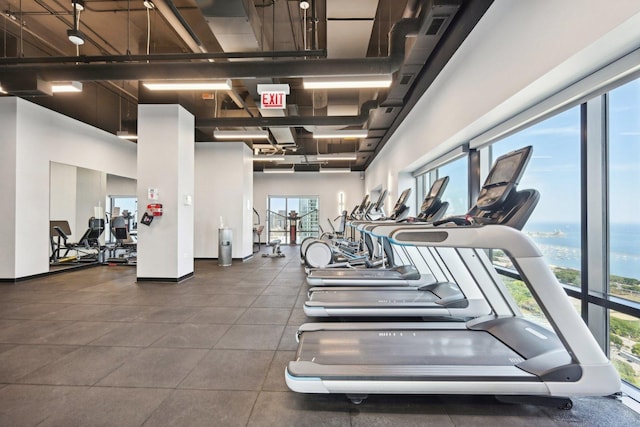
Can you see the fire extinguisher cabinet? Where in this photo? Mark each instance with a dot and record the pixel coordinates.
(225, 236)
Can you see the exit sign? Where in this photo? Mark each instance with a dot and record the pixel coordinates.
(275, 100)
(273, 96)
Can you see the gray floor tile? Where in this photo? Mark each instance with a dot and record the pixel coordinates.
(120, 313)
(192, 335)
(78, 333)
(288, 340)
(275, 301)
(291, 409)
(84, 366)
(265, 316)
(24, 359)
(170, 314)
(77, 312)
(155, 368)
(206, 408)
(251, 337)
(31, 311)
(134, 334)
(230, 370)
(275, 376)
(281, 290)
(222, 315)
(30, 331)
(27, 405)
(390, 410)
(108, 406)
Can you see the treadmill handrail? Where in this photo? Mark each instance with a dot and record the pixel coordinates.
(536, 274)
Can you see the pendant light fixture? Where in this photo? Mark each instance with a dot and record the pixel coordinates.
(75, 35)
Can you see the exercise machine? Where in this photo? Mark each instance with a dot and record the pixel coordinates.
(504, 354)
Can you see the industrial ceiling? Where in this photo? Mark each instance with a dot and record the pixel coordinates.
(249, 42)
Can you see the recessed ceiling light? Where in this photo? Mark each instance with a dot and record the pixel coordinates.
(189, 85)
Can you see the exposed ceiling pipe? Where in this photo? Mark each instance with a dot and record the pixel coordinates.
(234, 70)
(159, 57)
(173, 17)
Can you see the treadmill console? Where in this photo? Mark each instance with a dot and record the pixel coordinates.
(503, 178)
(434, 196)
(401, 205)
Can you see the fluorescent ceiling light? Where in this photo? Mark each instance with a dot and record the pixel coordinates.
(278, 170)
(268, 158)
(239, 134)
(328, 134)
(3, 91)
(75, 37)
(189, 85)
(347, 82)
(125, 134)
(334, 170)
(62, 87)
(338, 156)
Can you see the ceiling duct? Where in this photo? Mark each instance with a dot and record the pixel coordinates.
(235, 24)
(237, 28)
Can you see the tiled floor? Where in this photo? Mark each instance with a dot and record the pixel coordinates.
(93, 348)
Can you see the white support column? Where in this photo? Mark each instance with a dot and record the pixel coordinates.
(166, 165)
(8, 162)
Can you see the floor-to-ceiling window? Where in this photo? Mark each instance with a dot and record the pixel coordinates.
(299, 211)
(624, 225)
(586, 166)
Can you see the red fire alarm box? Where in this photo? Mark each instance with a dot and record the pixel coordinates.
(155, 209)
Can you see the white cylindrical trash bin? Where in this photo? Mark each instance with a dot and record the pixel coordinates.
(225, 236)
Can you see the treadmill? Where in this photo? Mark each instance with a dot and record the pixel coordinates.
(504, 354)
(452, 293)
(498, 202)
(406, 275)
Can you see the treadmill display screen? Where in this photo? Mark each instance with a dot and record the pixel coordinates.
(502, 179)
(403, 198)
(436, 187)
(505, 170)
(380, 200)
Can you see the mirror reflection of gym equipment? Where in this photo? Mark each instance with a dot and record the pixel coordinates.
(292, 218)
(122, 247)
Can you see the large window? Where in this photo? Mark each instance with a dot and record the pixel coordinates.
(554, 170)
(624, 226)
(291, 219)
(624, 191)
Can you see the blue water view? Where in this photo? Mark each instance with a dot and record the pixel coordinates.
(560, 243)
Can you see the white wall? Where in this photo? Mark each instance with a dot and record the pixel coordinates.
(519, 54)
(42, 136)
(166, 163)
(224, 192)
(8, 148)
(325, 186)
(121, 186)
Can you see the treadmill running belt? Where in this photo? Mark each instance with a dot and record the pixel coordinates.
(409, 347)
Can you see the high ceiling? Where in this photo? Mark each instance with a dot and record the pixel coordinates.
(250, 42)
